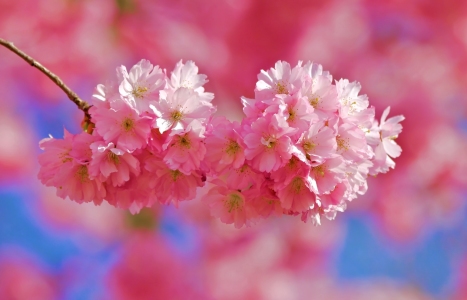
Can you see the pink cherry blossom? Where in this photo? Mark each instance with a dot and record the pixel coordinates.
(349, 99)
(321, 95)
(74, 181)
(297, 195)
(224, 146)
(179, 109)
(123, 127)
(298, 113)
(243, 177)
(266, 202)
(292, 169)
(318, 143)
(230, 206)
(325, 176)
(81, 151)
(279, 80)
(185, 149)
(112, 164)
(142, 84)
(173, 185)
(268, 144)
(186, 76)
(56, 154)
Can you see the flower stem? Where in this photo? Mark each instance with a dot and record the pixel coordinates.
(83, 105)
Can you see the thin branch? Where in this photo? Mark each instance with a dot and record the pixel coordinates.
(83, 105)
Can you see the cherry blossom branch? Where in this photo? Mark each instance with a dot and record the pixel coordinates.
(83, 105)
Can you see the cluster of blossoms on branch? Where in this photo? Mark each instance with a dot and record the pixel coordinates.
(305, 147)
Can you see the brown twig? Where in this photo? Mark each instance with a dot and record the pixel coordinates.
(83, 105)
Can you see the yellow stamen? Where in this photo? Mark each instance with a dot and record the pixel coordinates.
(234, 202)
(82, 174)
(232, 148)
(175, 174)
(308, 146)
(128, 124)
(319, 170)
(139, 92)
(281, 88)
(342, 143)
(112, 157)
(292, 115)
(176, 116)
(184, 141)
(297, 185)
(314, 101)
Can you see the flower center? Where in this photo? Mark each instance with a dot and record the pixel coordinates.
(184, 141)
(314, 100)
(234, 202)
(308, 146)
(296, 185)
(319, 170)
(139, 91)
(232, 147)
(112, 157)
(128, 124)
(281, 88)
(64, 156)
(175, 174)
(292, 115)
(270, 142)
(176, 116)
(342, 143)
(82, 174)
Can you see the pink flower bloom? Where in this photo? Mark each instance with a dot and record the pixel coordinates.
(142, 85)
(279, 80)
(268, 144)
(134, 194)
(186, 76)
(297, 112)
(297, 195)
(313, 70)
(243, 178)
(74, 181)
(230, 206)
(356, 178)
(112, 164)
(266, 202)
(224, 146)
(350, 101)
(123, 127)
(81, 151)
(186, 149)
(334, 199)
(313, 215)
(321, 95)
(292, 169)
(390, 130)
(179, 109)
(325, 176)
(382, 139)
(318, 143)
(56, 154)
(173, 185)
(157, 140)
(352, 143)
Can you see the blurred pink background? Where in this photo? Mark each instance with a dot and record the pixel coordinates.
(405, 239)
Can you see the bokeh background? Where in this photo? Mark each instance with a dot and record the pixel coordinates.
(405, 239)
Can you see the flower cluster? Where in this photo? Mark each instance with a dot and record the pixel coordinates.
(305, 147)
(147, 145)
